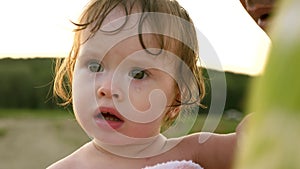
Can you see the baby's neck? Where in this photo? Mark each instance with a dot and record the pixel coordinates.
(140, 148)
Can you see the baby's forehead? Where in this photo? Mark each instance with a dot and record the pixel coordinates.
(116, 26)
(115, 16)
(120, 24)
(121, 16)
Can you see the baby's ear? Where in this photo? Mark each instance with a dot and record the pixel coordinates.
(177, 97)
(174, 112)
(171, 115)
(177, 101)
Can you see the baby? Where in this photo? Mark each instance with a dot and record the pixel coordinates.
(131, 74)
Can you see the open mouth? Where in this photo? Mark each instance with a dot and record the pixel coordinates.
(108, 117)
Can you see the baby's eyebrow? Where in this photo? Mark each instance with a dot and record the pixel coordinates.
(142, 61)
(90, 54)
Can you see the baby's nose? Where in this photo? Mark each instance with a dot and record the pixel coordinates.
(108, 92)
(108, 89)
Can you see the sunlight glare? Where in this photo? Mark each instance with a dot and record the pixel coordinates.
(240, 44)
(35, 28)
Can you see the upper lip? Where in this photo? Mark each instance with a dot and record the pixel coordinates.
(110, 110)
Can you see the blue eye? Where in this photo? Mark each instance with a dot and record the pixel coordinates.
(138, 74)
(95, 67)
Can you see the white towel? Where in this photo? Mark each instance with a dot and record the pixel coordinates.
(175, 165)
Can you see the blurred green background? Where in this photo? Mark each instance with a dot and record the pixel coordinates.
(35, 132)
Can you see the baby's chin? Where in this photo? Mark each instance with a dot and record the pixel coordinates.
(115, 138)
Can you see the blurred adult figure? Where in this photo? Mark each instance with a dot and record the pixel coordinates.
(260, 11)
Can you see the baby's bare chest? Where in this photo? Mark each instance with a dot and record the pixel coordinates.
(95, 159)
(131, 163)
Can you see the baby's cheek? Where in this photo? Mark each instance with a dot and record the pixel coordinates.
(84, 83)
(83, 90)
(139, 98)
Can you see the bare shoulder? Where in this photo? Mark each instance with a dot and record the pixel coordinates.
(210, 150)
(63, 163)
(209, 139)
(73, 160)
(203, 142)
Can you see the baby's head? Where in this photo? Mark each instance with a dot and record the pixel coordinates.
(161, 27)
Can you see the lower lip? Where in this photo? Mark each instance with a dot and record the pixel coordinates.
(107, 124)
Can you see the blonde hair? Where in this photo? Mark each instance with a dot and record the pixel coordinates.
(93, 17)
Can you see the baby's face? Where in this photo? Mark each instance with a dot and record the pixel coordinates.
(119, 88)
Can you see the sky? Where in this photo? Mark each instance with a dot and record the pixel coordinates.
(228, 38)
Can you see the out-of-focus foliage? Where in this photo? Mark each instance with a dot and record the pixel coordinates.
(26, 83)
(236, 93)
(272, 137)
